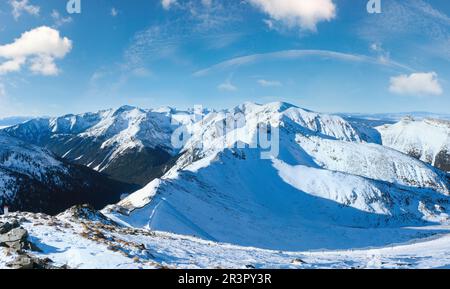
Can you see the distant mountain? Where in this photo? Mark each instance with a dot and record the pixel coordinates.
(129, 144)
(327, 180)
(377, 119)
(10, 121)
(33, 179)
(425, 139)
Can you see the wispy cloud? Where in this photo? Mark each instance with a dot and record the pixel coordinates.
(60, 20)
(296, 54)
(156, 42)
(23, 6)
(114, 12)
(403, 19)
(227, 86)
(166, 4)
(269, 83)
(206, 22)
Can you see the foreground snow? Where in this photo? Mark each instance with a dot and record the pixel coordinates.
(97, 243)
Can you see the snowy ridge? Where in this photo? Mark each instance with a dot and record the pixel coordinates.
(107, 140)
(427, 140)
(325, 179)
(374, 162)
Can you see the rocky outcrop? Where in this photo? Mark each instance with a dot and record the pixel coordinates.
(26, 261)
(87, 212)
(15, 239)
(6, 227)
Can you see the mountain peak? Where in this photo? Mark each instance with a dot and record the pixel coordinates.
(125, 108)
(278, 106)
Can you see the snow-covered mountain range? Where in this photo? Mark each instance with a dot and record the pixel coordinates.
(326, 178)
(331, 183)
(426, 139)
(129, 144)
(33, 179)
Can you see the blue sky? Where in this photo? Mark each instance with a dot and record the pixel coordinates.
(325, 55)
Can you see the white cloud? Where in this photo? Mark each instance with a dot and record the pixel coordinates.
(60, 20)
(418, 84)
(21, 6)
(298, 13)
(269, 83)
(39, 48)
(227, 86)
(167, 3)
(114, 12)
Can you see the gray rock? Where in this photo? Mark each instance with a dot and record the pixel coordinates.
(21, 262)
(8, 226)
(25, 261)
(14, 235)
(16, 240)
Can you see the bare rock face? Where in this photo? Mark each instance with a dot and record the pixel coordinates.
(88, 213)
(443, 160)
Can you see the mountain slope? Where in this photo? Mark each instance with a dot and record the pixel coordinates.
(325, 181)
(129, 144)
(427, 140)
(32, 179)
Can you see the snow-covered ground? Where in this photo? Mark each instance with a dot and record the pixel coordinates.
(83, 243)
